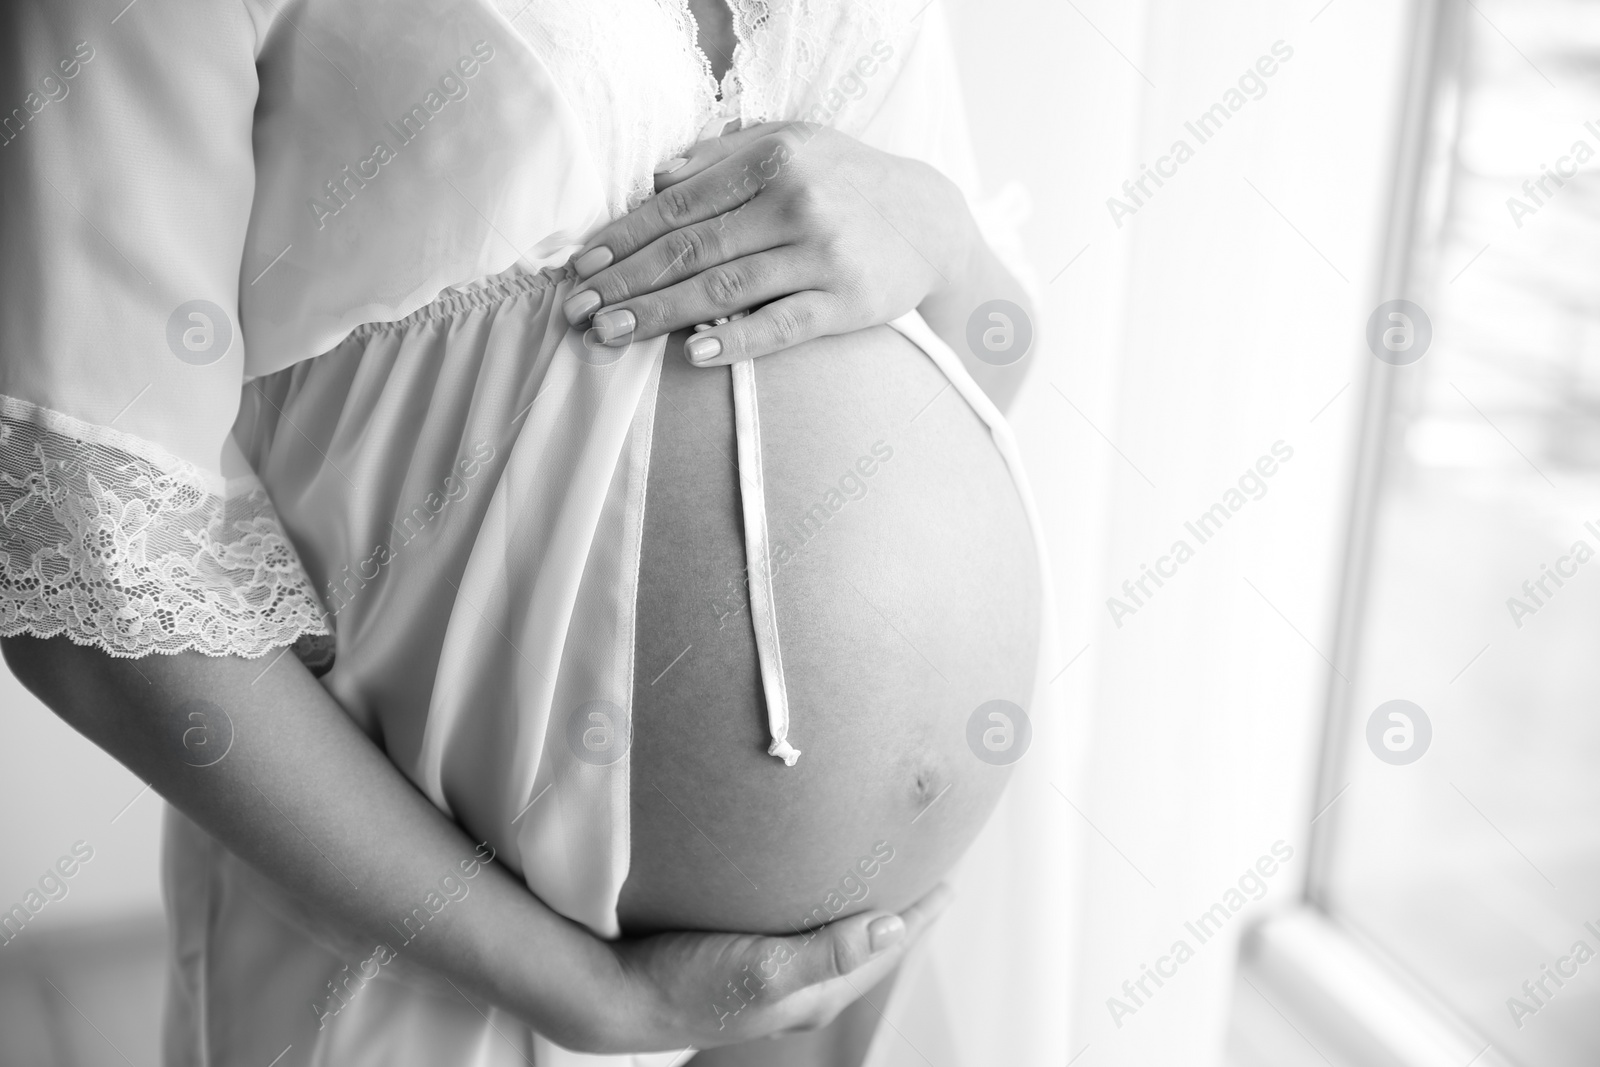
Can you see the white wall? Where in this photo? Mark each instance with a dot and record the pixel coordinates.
(1194, 336)
(1054, 107)
(1248, 281)
(56, 788)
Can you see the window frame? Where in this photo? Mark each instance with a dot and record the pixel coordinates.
(1338, 981)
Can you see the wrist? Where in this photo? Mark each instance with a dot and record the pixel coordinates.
(565, 982)
(620, 1004)
(960, 242)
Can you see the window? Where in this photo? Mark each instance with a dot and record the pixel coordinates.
(1458, 840)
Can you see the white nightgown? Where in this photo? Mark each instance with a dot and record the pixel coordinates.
(283, 357)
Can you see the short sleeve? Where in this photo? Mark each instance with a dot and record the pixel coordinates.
(129, 520)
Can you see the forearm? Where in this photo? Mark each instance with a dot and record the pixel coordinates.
(307, 799)
(975, 277)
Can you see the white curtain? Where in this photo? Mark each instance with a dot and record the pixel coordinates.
(1219, 319)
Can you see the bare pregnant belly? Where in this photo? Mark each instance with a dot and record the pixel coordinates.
(907, 595)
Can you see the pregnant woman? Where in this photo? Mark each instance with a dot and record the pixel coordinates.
(698, 624)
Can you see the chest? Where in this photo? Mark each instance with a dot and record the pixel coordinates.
(717, 38)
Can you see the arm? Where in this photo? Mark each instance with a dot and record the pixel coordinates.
(305, 797)
(979, 278)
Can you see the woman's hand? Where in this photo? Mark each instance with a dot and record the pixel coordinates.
(702, 990)
(816, 231)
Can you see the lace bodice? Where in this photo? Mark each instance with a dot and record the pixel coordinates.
(643, 90)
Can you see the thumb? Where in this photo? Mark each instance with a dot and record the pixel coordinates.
(703, 155)
(840, 948)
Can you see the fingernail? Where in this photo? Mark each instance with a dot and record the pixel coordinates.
(614, 325)
(580, 306)
(701, 349)
(885, 932)
(593, 260)
(675, 163)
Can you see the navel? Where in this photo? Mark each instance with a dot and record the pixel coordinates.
(928, 785)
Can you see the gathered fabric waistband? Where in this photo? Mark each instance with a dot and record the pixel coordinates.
(485, 293)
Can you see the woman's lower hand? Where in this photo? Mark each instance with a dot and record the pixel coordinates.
(815, 231)
(697, 990)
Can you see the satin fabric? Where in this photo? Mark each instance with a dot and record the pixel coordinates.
(467, 488)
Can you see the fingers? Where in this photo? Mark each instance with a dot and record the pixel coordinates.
(694, 250)
(817, 1005)
(716, 989)
(702, 155)
(703, 298)
(705, 197)
(719, 185)
(874, 940)
(771, 328)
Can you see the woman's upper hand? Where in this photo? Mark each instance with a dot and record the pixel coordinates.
(813, 230)
(702, 990)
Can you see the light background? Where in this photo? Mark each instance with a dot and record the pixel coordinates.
(1224, 316)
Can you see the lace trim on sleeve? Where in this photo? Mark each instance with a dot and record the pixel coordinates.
(121, 546)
